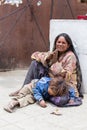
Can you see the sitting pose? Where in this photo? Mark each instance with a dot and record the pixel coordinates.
(62, 60)
(40, 91)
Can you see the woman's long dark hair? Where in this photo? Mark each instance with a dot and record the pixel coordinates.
(78, 68)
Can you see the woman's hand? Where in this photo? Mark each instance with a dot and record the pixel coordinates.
(42, 103)
(52, 57)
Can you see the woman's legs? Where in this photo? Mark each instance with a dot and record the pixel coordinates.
(36, 71)
(32, 73)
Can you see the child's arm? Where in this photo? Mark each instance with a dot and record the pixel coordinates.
(71, 95)
(40, 90)
(42, 103)
(38, 96)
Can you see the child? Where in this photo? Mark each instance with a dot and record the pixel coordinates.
(49, 87)
(40, 91)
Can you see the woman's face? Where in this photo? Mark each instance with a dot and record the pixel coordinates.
(61, 44)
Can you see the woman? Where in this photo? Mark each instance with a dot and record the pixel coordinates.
(63, 60)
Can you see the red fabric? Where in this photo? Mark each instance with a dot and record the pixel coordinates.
(82, 17)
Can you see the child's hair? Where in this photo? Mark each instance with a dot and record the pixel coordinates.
(58, 86)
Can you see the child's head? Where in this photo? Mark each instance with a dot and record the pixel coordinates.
(57, 87)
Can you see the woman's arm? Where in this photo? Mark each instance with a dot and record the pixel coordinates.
(46, 58)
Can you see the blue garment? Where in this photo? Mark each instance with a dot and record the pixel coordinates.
(41, 90)
(72, 93)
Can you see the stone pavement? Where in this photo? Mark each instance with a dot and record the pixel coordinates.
(34, 117)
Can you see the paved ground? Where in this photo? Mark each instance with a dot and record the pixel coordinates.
(34, 117)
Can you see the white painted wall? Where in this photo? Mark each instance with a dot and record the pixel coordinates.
(77, 30)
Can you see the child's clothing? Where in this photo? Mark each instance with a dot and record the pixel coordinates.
(41, 90)
(71, 93)
(25, 95)
(35, 91)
